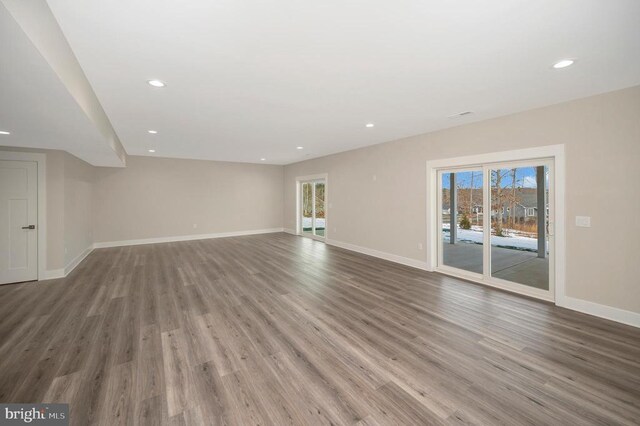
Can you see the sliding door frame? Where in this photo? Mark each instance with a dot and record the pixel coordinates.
(312, 179)
(552, 153)
(474, 276)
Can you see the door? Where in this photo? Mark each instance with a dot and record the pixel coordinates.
(496, 224)
(18, 221)
(521, 244)
(313, 208)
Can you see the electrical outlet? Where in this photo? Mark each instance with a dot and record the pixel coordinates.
(374, 178)
(419, 246)
(195, 225)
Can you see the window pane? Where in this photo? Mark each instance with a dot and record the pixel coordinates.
(307, 208)
(519, 244)
(462, 219)
(320, 219)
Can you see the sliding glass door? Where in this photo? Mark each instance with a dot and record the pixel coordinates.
(312, 208)
(519, 198)
(496, 223)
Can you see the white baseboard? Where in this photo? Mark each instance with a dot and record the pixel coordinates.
(185, 238)
(602, 311)
(419, 264)
(290, 231)
(580, 305)
(79, 258)
(51, 274)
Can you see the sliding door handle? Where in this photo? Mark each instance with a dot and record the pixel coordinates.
(29, 227)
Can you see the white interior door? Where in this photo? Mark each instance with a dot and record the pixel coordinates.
(18, 221)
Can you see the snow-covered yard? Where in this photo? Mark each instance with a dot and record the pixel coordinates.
(306, 222)
(475, 235)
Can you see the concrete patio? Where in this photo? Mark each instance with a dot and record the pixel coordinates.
(518, 266)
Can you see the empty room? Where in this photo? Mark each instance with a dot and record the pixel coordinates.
(319, 213)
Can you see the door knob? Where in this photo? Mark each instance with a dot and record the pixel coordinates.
(29, 227)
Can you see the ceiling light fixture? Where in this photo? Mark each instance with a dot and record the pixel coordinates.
(152, 150)
(156, 83)
(3, 132)
(153, 132)
(299, 147)
(563, 63)
(263, 159)
(369, 125)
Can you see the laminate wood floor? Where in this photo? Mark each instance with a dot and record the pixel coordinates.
(277, 329)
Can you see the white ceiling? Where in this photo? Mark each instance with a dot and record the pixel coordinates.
(251, 79)
(37, 108)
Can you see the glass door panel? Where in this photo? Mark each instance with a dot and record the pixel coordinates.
(462, 219)
(306, 221)
(319, 210)
(519, 200)
(313, 208)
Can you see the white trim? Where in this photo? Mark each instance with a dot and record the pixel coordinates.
(185, 238)
(52, 274)
(602, 311)
(414, 263)
(41, 160)
(78, 259)
(497, 283)
(290, 231)
(555, 152)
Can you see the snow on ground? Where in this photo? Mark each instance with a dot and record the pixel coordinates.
(475, 235)
(306, 222)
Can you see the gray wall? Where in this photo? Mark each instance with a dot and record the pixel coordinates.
(602, 138)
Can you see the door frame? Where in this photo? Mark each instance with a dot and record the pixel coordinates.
(41, 161)
(299, 181)
(552, 152)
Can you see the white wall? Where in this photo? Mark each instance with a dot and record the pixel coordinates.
(78, 185)
(602, 138)
(160, 197)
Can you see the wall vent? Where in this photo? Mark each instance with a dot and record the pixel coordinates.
(461, 114)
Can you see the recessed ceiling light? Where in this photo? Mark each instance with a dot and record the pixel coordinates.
(263, 159)
(3, 132)
(563, 63)
(299, 147)
(152, 150)
(156, 83)
(153, 132)
(369, 125)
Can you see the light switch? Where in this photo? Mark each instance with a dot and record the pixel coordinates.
(583, 221)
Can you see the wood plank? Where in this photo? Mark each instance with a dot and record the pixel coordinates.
(277, 329)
